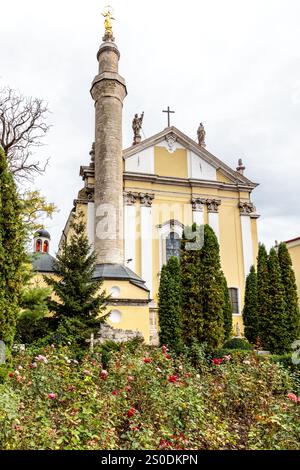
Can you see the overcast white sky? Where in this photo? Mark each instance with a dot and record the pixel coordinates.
(234, 64)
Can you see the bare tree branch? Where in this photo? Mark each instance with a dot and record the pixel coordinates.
(22, 128)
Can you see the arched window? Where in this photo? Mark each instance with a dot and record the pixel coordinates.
(173, 243)
(46, 247)
(38, 246)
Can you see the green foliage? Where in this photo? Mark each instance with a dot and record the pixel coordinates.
(34, 209)
(31, 329)
(196, 354)
(169, 306)
(192, 309)
(276, 338)
(81, 301)
(227, 310)
(34, 302)
(263, 294)
(238, 343)
(212, 291)
(237, 355)
(12, 254)
(163, 403)
(203, 302)
(106, 350)
(290, 294)
(250, 311)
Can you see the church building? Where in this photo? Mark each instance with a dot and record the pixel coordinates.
(137, 201)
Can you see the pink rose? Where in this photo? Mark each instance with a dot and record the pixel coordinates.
(104, 374)
(292, 397)
(52, 396)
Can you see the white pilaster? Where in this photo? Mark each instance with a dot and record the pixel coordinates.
(129, 235)
(213, 220)
(247, 243)
(198, 217)
(146, 237)
(91, 223)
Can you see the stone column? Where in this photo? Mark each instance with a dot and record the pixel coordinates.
(198, 210)
(246, 210)
(130, 199)
(108, 91)
(146, 238)
(213, 215)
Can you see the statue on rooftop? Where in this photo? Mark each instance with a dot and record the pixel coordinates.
(137, 126)
(201, 135)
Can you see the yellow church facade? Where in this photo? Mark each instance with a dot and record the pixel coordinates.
(294, 250)
(136, 203)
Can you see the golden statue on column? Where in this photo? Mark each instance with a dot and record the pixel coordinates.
(108, 15)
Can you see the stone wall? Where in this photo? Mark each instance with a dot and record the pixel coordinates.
(107, 333)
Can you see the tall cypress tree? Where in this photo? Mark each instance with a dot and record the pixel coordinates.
(290, 293)
(81, 301)
(212, 291)
(192, 311)
(227, 310)
(276, 338)
(12, 254)
(250, 313)
(263, 295)
(169, 306)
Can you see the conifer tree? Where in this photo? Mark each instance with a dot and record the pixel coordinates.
(169, 306)
(276, 339)
(212, 291)
(250, 312)
(81, 301)
(227, 310)
(290, 293)
(12, 253)
(192, 311)
(263, 295)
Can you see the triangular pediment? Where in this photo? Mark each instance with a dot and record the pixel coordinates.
(172, 136)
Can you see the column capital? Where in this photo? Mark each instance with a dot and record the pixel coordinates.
(247, 208)
(213, 205)
(130, 198)
(198, 204)
(146, 199)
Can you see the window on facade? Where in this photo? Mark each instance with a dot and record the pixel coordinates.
(173, 243)
(38, 246)
(234, 297)
(46, 247)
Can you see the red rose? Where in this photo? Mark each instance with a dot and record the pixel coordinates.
(172, 378)
(217, 362)
(168, 356)
(11, 375)
(147, 360)
(115, 392)
(164, 349)
(131, 412)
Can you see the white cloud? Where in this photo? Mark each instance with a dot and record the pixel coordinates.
(233, 65)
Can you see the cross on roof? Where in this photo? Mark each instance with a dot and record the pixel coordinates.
(169, 112)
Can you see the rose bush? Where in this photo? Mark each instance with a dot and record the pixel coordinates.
(50, 400)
